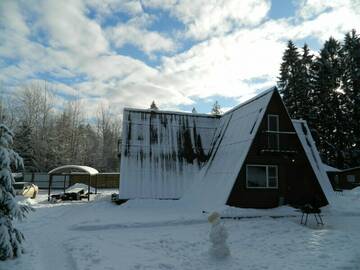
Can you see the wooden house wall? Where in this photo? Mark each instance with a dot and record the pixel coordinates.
(343, 182)
(297, 183)
(103, 180)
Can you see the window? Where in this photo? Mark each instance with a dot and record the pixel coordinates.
(261, 176)
(350, 178)
(273, 129)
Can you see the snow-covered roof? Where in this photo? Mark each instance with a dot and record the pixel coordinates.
(312, 153)
(350, 169)
(233, 138)
(73, 168)
(330, 168)
(162, 151)
(170, 112)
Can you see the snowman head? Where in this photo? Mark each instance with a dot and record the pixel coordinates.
(214, 218)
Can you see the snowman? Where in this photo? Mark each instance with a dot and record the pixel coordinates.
(218, 236)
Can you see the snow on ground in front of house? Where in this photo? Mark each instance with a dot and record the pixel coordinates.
(150, 234)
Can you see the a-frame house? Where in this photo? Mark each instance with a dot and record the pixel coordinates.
(252, 156)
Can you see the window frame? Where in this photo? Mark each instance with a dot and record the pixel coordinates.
(273, 132)
(267, 176)
(351, 178)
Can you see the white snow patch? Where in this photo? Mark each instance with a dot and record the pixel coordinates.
(160, 234)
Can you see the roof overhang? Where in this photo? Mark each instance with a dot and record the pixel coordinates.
(68, 169)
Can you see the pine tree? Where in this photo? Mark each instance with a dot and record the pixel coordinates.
(351, 87)
(153, 106)
(90, 146)
(194, 110)
(11, 239)
(304, 85)
(216, 109)
(289, 77)
(25, 148)
(328, 101)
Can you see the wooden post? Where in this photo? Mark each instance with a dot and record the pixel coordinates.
(49, 188)
(64, 182)
(89, 187)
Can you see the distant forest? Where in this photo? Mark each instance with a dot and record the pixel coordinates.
(48, 135)
(324, 89)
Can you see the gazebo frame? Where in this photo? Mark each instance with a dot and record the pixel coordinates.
(68, 170)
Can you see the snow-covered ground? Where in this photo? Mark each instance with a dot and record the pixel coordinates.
(149, 234)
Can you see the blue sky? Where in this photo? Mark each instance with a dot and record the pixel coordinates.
(182, 54)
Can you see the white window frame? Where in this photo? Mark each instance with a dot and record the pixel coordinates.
(273, 131)
(267, 176)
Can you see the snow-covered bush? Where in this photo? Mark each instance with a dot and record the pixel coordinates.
(10, 238)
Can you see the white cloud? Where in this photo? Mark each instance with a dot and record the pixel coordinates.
(307, 9)
(136, 34)
(224, 66)
(69, 28)
(207, 18)
(107, 7)
(11, 16)
(227, 63)
(330, 23)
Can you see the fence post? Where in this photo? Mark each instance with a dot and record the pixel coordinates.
(89, 187)
(49, 188)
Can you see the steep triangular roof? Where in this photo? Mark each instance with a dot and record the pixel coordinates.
(329, 168)
(313, 156)
(233, 138)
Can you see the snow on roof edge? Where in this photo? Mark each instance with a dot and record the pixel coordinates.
(350, 169)
(265, 92)
(87, 169)
(329, 168)
(320, 172)
(171, 112)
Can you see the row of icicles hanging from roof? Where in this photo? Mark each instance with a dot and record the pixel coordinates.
(216, 109)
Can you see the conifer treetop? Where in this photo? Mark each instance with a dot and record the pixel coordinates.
(153, 106)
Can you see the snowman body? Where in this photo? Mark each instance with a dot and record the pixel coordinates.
(218, 237)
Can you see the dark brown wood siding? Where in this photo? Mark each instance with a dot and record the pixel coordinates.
(102, 180)
(343, 178)
(297, 183)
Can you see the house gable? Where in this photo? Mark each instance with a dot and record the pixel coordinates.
(283, 151)
(233, 138)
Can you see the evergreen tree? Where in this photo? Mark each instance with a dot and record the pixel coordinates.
(216, 109)
(328, 102)
(289, 77)
(90, 146)
(194, 110)
(11, 239)
(25, 148)
(304, 85)
(351, 87)
(153, 106)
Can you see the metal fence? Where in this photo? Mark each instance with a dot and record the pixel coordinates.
(103, 180)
